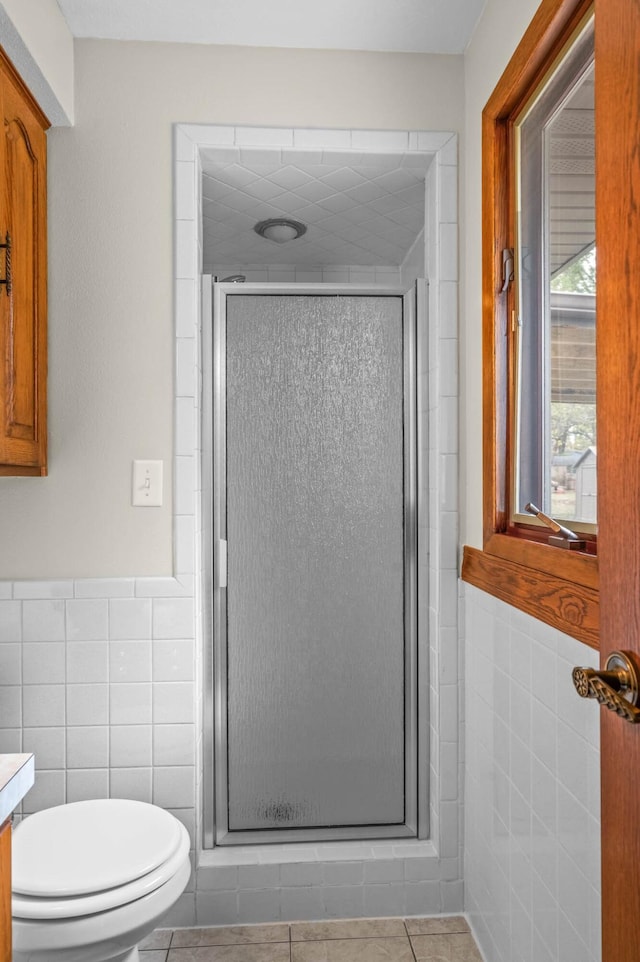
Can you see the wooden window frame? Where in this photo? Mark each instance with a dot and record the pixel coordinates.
(557, 586)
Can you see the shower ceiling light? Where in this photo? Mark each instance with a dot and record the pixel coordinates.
(280, 229)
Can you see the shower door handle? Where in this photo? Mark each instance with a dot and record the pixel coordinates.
(220, 564)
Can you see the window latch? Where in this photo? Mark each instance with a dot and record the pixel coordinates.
(562, 537)
(507, 268)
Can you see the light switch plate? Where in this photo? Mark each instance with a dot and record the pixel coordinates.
(146, 490)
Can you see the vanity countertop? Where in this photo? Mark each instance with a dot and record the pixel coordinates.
(17, 773)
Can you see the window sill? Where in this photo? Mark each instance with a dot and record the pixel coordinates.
(548, 583)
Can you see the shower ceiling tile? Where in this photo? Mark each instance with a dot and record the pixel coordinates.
(215, 189)
(288, 178)
(358, 208)
(365, 193)
(334, 223)
(256, 156)
(291, 204)
(355, 233)
(314, 190)
(377, 224)
(343, 178)
(411, 196)
(408, 217)
(237, 201)
(234, 175)
(383, 205)
(337, 203)
(263, 189)
(397, 179)
(357, 215)
(310, 213)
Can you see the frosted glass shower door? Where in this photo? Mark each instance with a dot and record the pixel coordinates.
(317, 698)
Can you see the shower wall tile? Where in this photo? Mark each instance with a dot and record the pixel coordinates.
(130, 746)
(43, 620)
(173, 703)
(335, 274)
(47, 744)
(11, 663)
(88, 747)
(173, 618)
(173, 745)
(129, 619)
(186, 304)
(43, 662)
(532, 839)
(173, 660)
(103, 588)
(87, 705)
(87, 661)
(10, 707)
(130, 704)
(184, 190)
(173, 787)
(331, 139)
(87, 619)
(48, 790)
(130, 661)
(133, 783)
(87, 784)
(264, 137)
(40, 589)
(43, 705)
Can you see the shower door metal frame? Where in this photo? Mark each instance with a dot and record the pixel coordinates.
(216, 830)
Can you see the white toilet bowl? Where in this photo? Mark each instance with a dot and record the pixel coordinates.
(92, 879)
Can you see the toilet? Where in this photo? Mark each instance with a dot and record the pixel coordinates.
(91, 879)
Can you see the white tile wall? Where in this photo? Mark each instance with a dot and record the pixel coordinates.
(532, 834)
(284, 274)
(102, 678)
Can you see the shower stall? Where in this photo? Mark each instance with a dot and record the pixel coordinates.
(312, 725)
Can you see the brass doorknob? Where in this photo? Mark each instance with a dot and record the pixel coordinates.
(616, 687)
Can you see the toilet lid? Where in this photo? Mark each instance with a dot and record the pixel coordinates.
(87, 847)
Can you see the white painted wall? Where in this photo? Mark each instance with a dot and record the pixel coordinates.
(35, 36)
(111, 290)
(496, 37)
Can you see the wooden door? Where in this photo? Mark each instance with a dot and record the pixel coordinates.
(5, 891)
(618, 362)
(23, 302)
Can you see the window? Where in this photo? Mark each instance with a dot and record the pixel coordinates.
(539, 325)
(554, 334)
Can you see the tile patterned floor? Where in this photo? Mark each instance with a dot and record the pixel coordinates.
(446, 939)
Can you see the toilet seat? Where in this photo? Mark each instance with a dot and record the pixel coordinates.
(88, 857)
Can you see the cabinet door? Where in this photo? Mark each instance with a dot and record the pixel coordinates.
(23, 301)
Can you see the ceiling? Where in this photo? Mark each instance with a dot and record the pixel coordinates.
(367, 210)
(418, 26)
(358, 211)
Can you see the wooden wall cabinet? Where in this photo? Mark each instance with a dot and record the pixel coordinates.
(23, 279)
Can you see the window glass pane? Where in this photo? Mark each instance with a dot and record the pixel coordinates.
(556, 417)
